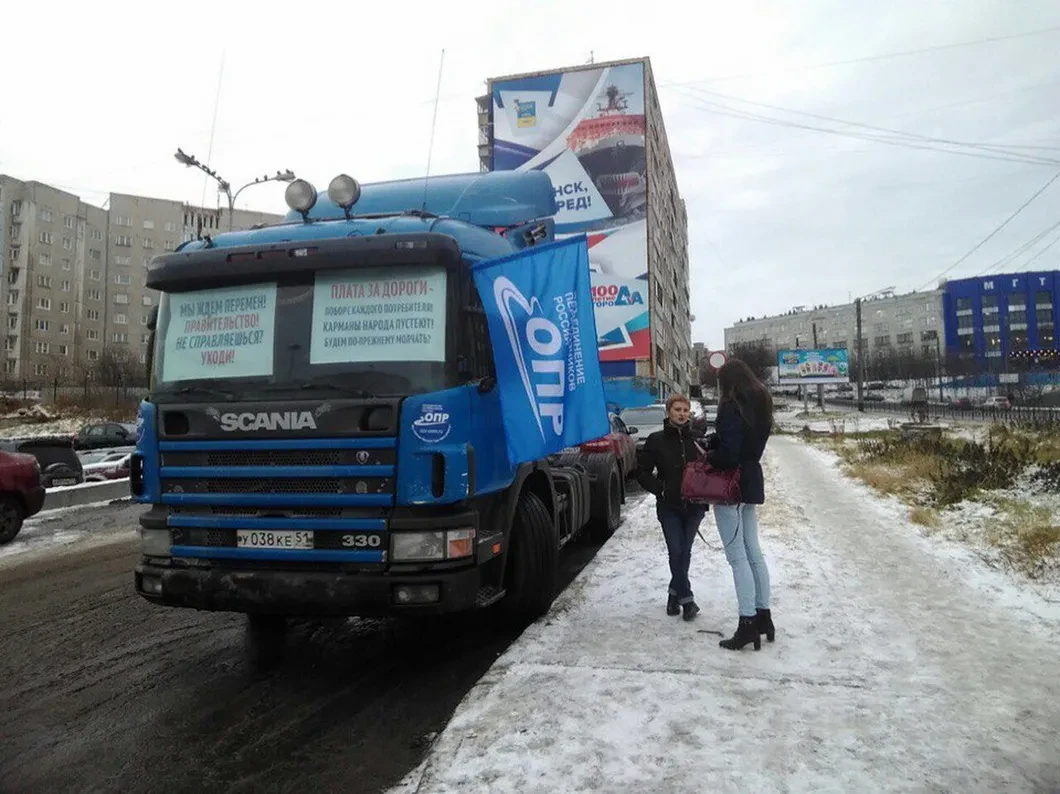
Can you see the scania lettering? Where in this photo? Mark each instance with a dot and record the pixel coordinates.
(268, 421)
(343, 453)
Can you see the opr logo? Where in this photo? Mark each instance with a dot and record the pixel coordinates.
(544, 389)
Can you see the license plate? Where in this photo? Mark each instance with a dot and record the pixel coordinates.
(63, 483)
(262, 539)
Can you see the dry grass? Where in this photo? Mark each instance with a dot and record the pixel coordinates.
(1026, 534)
(925, 517)
(905, 478)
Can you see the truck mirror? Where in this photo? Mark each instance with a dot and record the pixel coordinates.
(152, 319)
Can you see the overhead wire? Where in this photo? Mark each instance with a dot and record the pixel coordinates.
(1011, 256)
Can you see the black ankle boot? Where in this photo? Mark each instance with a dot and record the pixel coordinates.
(765, 624)
(746, 632)
(690, 609)
(672, 607)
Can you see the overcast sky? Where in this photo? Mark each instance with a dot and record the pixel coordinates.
(97, 97)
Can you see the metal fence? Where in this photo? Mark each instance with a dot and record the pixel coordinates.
(1016, 416)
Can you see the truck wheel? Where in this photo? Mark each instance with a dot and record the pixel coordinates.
(10, 519)
(265, 638)
(606, 510)
(533, 560)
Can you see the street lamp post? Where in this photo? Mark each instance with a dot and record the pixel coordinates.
(192, 162)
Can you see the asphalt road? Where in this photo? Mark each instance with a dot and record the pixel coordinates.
(101, 691)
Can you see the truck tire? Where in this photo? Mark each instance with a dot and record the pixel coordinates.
(11, 517)
(606, 510)
(533, 561)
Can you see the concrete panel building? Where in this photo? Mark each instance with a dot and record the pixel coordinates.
(890, 322)
(72, 275)
(598, 131)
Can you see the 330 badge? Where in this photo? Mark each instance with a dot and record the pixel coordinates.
(361, 540)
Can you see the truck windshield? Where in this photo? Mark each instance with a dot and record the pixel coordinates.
(374, 330)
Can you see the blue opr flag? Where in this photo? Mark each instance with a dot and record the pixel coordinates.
(540, 311)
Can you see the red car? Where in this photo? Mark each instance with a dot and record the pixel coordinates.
(619, 442)
(21, 492)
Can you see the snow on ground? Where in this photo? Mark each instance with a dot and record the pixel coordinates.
(900, 665)
(48, 531)
(55, 427)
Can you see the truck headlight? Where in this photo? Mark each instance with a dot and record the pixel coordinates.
(154, 542)
(452, 544)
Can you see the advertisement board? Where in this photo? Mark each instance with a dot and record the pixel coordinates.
(586, 130)
(829, 365)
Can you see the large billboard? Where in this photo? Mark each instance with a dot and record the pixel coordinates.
(586, 130)
(829, 365)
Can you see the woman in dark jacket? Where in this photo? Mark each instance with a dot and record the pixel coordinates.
(745, 420)
(661, 466)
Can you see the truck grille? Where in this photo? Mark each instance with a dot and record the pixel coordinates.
(280, 485)
(282, 457)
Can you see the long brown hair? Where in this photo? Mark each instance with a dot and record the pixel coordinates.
(738, 384)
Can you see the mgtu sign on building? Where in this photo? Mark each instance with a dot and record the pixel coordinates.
(590, 129)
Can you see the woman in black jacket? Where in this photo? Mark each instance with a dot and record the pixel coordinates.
(661, 466)
(745, 420)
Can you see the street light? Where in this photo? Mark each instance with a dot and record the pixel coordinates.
(225, 187)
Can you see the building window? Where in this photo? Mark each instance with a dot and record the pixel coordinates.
(990, 304)
(1017, 312)
(929, 336)
(122, 278)
(42, 348)
(95, 253)
(120, 338)
(905, 339)
(169, 245)
(64, 307)
(68, 222)
(95, 295)
(123, 220)
(66, 265)
(45, 304)
(68, 244)
(97, 234)
(881, 328)
(40, 370)
(92, 314)
(122, 240)
(64, 350)
(45, 237)
(121, 319)
(882, 341)
(64, 329)
(143, 319)
(44, 214)
(123, 260)
(147, 300)
(121, 299)
(170, 226)
(42, 325)
(64, 286)
(145, 339)
(149, 224)
(148, 243)
(1017, 340)
(92, 334)
(94, 275)
(44, 281)
(45, 260)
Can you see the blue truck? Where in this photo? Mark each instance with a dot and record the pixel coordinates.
(323, 431)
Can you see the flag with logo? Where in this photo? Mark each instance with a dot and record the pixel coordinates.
(539, 308)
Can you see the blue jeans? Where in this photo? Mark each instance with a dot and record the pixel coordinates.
(738, 528)
(679, 528)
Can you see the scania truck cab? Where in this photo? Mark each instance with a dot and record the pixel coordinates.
(323, 433)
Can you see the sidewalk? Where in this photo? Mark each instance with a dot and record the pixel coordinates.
(890, 671)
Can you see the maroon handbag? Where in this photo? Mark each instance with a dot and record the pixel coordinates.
(701, 482)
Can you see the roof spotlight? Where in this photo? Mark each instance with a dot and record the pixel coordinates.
(300, 196)
(344, 191)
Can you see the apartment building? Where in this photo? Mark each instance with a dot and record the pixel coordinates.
(73, 274)
(890, 322)
(598, 131)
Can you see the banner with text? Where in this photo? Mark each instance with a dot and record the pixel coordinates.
(378, 314)
(538, 306)
(831, 365)
(586, 130)
(220, 333)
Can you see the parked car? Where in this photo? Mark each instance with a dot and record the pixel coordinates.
(618, 441)
(962, 404)
(997, 402)
(111, 466)
(58, 462)
(645, 420)
(21, 492)
(102, 435)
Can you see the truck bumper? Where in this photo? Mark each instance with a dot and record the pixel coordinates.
(305, 593)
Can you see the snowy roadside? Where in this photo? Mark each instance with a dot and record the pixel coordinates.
(881, 633)
(51, 531)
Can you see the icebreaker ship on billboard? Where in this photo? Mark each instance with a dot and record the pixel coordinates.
(586, 130)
